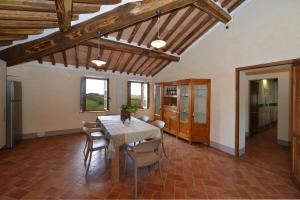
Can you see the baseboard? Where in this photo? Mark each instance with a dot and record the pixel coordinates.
(29, 136)
(283, 143)
(247, 134)
(51, 133)
(222, 147)
(242, 151)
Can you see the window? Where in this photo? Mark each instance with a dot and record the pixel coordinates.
(138, 94)
(94, 94)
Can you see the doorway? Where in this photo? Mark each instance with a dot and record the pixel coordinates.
(294, 109)
(264, 110)
(263, 105)
(265, 146)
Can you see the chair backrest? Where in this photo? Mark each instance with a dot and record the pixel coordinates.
(145, 118)
(148, 146)
(87, 132)
(90, 124)
(159, 124)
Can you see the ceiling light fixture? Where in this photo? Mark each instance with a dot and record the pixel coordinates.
(158, 43)
(98, 60)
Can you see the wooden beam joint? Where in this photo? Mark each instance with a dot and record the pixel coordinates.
(211, 8)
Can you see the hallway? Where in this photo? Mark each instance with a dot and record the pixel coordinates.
(263, 151)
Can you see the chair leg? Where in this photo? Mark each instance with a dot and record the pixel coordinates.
(125, 163)
(164, 151)
(86, 156)
(88, 167)
(85, 146)
(135, 181)
(161, 178)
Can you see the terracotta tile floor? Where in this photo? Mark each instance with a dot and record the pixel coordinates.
(263, 151)
(52, 168)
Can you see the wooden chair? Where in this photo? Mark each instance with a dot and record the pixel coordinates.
(97, 131)
(161, 124)
(144, 155)
(94, 143)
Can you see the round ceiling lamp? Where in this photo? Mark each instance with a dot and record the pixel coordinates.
(98, 61)
(158, 43)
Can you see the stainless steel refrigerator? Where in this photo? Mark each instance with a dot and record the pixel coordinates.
(13, 113)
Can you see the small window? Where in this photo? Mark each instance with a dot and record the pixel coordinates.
(94, 94)
(138, 94)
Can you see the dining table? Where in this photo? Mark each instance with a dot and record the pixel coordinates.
(120, 134)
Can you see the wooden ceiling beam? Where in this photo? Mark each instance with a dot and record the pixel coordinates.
(119, 46)
(147, 31)
(186, 27)
(30, 16)
(214, 10)
(237, 4)
(121, 17)
(13, 24)
(147, 68)
(106, 67)
(134, 31)
(211, 23)
(120, 33)
(118, 62)
(4, 37)
(45, 6)
(134, 64)
(21, 31)
(154, 67)
(5, 43)
(64, 14)
(52, 59)
(102, 2)
(225, 3)
(164, 26)
(141, 67)
(77, 56)
(88, 57)
(40, 60)
(65, 58)
(126, 63)
(178, 23)
(160, 68)
(192, 33)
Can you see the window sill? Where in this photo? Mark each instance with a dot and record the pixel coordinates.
(102, 111)
(142, 109)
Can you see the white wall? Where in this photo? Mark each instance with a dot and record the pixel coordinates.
(283, 133)
(2, 102)
(262, 31)
(51, 95)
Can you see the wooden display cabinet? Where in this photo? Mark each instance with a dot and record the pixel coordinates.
(186, 112)
(158, 98)
(169, 107)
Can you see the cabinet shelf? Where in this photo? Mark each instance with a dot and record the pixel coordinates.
(170, 96)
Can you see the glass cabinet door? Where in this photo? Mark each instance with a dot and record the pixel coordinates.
(184, 103)
(157, 99)
(200, 103)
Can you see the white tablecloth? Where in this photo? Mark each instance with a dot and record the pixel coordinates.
(131, 131)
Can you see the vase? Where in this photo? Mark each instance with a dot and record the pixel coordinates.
(125, 116)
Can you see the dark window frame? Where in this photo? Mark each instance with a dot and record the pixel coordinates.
(83, 94)
(129, 93)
